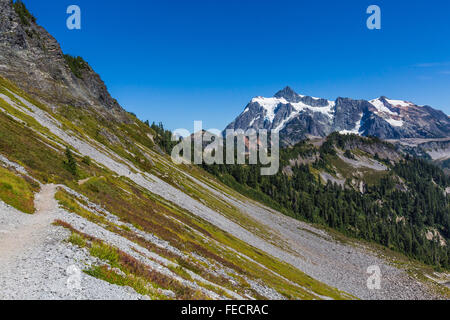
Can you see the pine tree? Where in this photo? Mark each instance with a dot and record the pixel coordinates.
(71, 163)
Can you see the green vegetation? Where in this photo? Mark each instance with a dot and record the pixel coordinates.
(348, 154)
(16, 191)
(372, 215)
(163, 137)
(76, 65)
(87, 160)
(148, 213)
(129, 271)
(73, 206)
(24, 15)
(105, 252)
(77, 240)
(127, 140)
(40, 152)
(138, 284)
(19, 141)
(71, 163)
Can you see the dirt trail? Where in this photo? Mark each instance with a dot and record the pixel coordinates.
(26, 231)
(34, 258)
(81, 182)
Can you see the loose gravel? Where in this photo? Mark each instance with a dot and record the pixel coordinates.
(37, 263)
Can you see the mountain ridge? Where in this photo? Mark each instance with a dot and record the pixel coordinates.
(33, 59)
(296, 116)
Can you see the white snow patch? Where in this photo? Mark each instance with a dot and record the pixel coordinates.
(270, 104)
(394, 123)
(381, 108)
(399, 103)
(327, 110)
(283, 123)
(348, 132)
(383, 111)
(253, 121)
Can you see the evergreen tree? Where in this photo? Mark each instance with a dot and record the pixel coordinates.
(71, 163)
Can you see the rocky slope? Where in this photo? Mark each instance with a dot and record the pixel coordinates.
(268, 260)
(435, 150)
(296, 116)
(33, 59)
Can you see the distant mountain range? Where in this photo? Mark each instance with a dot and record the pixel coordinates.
(297, 116)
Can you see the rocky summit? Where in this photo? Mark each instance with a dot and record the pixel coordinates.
(297, 116)
(33, 59)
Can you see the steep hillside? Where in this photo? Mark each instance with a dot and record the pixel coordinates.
(297, 116)
(33, 59)
(362, 187)
(435, 150)
(84, 186)
(149, 224)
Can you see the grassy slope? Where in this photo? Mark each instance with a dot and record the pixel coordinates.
(43, 159)
(17, 191)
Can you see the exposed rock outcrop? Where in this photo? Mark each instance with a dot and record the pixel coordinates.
(33, 59)
(296, 116)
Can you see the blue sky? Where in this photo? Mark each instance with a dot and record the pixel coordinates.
(180, 61)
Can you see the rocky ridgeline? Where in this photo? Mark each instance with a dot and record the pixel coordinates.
(32, 58)
(296, 116)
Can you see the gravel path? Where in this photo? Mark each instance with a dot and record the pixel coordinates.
(36, 262)
(35, 257)
(17, 236)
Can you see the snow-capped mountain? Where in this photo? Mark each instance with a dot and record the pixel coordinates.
(295, 116)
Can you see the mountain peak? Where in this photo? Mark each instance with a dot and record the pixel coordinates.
(33, 59)
(296, 116)
(288, 93)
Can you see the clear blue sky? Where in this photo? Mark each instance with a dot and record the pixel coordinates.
(180, 61)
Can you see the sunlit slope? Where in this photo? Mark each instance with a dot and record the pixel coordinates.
(202, 237)
(173, 231)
